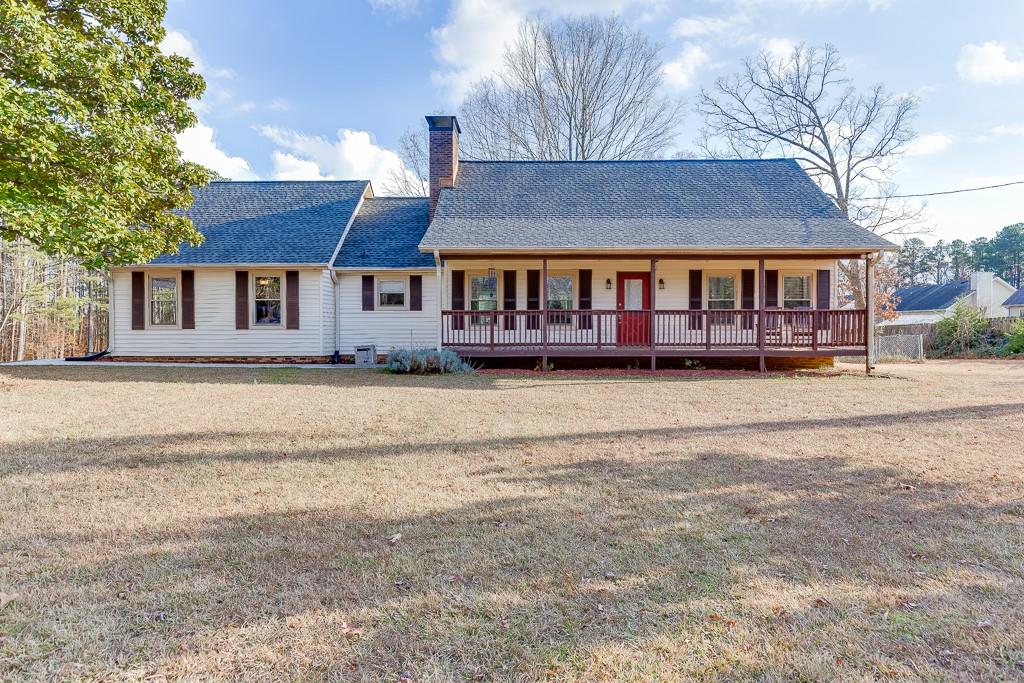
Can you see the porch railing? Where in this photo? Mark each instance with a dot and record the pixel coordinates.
(633, 330)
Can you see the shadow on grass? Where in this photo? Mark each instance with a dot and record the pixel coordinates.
(566, 569)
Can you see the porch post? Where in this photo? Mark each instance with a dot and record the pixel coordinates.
(869, 318)
(654, 290)
(762, 285)
(440, 300)
(544, 313)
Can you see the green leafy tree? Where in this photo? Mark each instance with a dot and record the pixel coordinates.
(960, 260)
(1008, 254)
(911, 261)
(89, 107)
(936, 261)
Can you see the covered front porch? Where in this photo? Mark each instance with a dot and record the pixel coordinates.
(700, 306)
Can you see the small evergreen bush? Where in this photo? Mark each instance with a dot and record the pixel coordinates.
(963, 331)
(425, 362)
(1014, 339)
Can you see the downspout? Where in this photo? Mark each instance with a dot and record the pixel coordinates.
(440, 295)
(336, 357)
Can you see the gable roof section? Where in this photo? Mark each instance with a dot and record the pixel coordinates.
(1016, 299)
(681, 204)
(386, 234)
(931, 297)
(272, 222)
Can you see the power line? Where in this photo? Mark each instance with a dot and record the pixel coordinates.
(934, 194)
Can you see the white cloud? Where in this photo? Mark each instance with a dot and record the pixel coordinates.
(280, 104)
(925, 145)
(681, 72)
(400, 6)
(990, 63)
(1000, 132)
(779, 48)
(290, 167)
(694, 27)
(352, 156)
(470, 45)
(197, 144)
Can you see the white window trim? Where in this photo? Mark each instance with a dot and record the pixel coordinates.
(499, 287)
(252, 299)
(377, 279)
(163, 275)
(783, 274)
(736, 284)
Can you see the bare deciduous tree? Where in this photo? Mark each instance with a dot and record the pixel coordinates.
(848, 141)
(409, 181)
(573, 89)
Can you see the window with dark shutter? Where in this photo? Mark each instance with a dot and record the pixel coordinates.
(241, 299)
(415, 292)
(138, 300)
(188, 300)
(367, 292)
(458, 298)
(533, 298)
(824, 296)
(508, 301)
(291, 299)
(586, 298)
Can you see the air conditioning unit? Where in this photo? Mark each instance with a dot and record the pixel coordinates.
(366, 355)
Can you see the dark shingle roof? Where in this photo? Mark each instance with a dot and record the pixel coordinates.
(269, 221)
(642, 204)
(931, 297)
(1016, 299)
(386, 234)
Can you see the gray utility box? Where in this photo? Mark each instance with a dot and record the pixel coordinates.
(366, 355)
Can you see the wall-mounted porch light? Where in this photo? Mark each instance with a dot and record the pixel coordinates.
(661, 283)
(608, 283)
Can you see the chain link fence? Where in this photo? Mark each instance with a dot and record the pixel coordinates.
(899, 347)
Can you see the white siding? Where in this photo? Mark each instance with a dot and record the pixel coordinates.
(386, 328)
(215, 333)
(328, 328)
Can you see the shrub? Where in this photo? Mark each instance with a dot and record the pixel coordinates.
(962, 331)
(426, 362)
(1015, 338)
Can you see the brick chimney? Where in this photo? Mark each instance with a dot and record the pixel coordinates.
(444, 155)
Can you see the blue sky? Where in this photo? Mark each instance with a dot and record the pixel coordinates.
(325, 88)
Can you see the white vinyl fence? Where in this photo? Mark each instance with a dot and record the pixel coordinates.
(899, 347)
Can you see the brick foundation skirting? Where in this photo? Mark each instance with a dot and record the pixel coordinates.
(289, 360)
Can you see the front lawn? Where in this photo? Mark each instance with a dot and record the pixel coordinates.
(351, 525)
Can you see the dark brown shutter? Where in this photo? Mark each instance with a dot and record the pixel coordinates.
(508, 300)
(138, 300)
(415, 292)
(824, 296)
(368, 293)
(533, 298)
(586, 298)
(291, 299)
(771, 289)
(696, 298)
(747, 297)
(824, 289)
(188, 299)
(241, 299)
(458, 298)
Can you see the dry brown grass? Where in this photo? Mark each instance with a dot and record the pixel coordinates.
(180, 523)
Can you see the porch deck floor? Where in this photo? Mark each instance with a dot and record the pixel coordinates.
(647, 351)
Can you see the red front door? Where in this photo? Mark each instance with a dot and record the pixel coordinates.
(634, 304)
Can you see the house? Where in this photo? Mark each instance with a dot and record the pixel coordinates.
(1015, 304)
(642, 259)
(925, 304)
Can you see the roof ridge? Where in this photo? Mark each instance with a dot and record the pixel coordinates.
(625, 161)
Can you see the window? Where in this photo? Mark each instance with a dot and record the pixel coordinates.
(391, 293)
(721, 292)
(483, 296)
(163, 301)
(267, 300)
(559, 298)
(796, 291)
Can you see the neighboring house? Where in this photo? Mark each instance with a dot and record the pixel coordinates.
(606, 258)
(1015, 304)
(925, 304)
